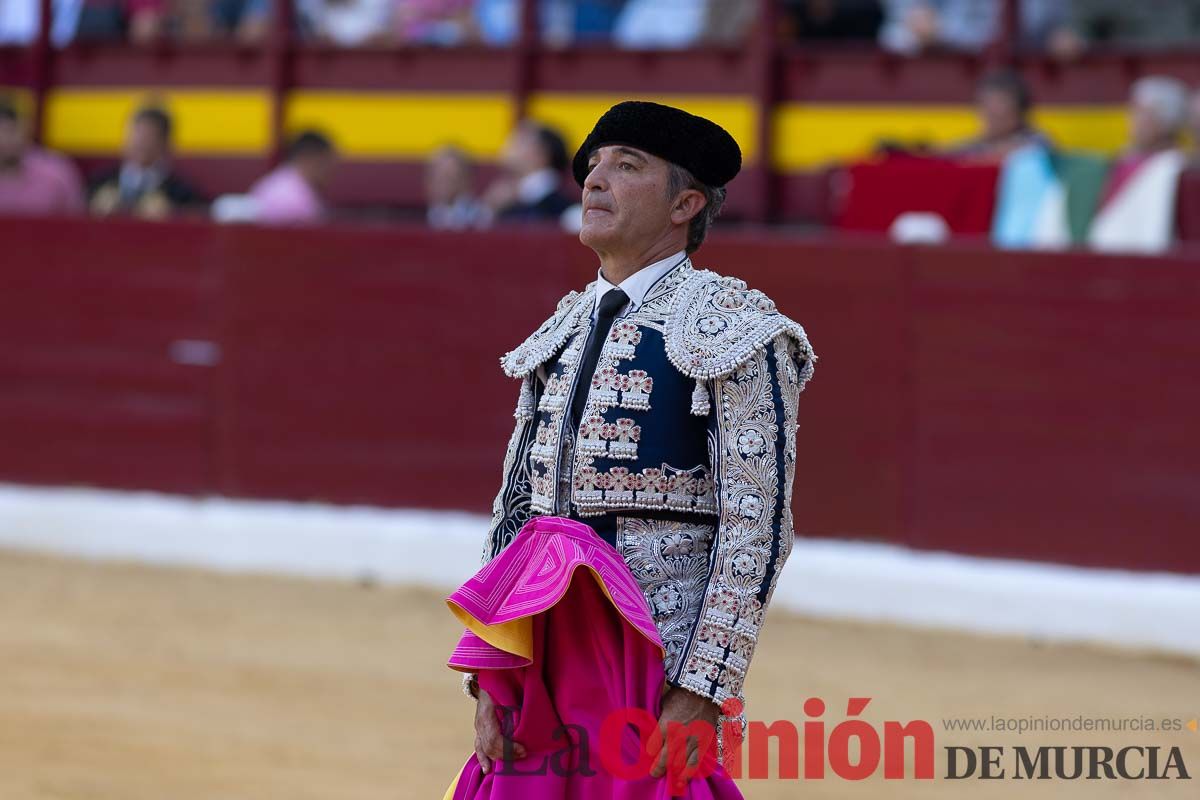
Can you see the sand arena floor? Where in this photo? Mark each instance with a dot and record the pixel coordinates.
(127, 682)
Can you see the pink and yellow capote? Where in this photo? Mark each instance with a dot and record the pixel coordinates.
(558, 630)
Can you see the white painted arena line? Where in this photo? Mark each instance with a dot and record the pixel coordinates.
(824, 578)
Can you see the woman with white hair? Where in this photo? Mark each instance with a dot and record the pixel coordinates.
(1137, 206)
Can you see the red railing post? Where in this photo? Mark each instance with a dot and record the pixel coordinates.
(765, 47)
(43, 52)
(281, 47)
(1008, 38)
(525, 52)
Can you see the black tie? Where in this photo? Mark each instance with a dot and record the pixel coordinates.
(610, 304)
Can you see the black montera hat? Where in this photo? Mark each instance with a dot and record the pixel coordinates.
(699, 145)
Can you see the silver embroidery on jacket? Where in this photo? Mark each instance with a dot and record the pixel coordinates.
(669, 560)
(717, 324)
(749, 495)
(718, 332)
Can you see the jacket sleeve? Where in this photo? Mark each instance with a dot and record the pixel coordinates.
(511, 508)
(752, 439)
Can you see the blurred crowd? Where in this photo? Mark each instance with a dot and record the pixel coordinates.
(145, 183)
(1046, 197)
(1050, 197)
(1063, 28)
(528, 184)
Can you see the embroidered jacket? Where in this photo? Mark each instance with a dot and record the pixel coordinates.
(683, 458)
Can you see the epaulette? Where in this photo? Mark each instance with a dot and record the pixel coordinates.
(717, 325)
(549, 338)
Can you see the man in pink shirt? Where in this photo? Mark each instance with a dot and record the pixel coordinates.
(34, 181)
(293, 191)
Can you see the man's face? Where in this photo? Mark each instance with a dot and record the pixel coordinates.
(999, 112)
(319, 168)
(12, 142)
(625, 202)
(522, 154)
(446, 178)
(144, 144)
(1146, 131)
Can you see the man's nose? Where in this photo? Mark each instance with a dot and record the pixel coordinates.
(596, 179)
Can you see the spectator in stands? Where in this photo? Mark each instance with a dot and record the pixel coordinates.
(530, 189)
(1162, 23)
(914, 26)
(144, 184)
(834, 20)
(247, 21)
(1137, 204)
(682, 23)
(499, 22)
(20, 21)
(450, 202)
(1003, 102)
(653, 25)
(347, 23)
(32, 180)
(593, 20)
(561, 22)
(439, 22)
(294, 191)
(139, 21)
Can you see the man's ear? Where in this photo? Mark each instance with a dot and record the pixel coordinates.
(688, 204)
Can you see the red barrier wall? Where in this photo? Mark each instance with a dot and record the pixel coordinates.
(1006, 404)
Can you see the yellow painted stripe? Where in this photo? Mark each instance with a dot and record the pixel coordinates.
(390, 125)
(574, 114)
(1104, 129)
(406, 126)
(207, 121)
(809, 136)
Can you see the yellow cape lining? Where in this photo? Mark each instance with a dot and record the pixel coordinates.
(516, 636)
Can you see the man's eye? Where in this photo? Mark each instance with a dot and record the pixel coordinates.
(625, 165)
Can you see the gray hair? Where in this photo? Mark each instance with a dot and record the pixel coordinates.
(679, 179)
(1167, 99)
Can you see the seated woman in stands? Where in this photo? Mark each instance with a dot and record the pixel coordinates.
(1137, 204)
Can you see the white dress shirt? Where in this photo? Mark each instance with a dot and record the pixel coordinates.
(637, 284)
(537, 185)
(635, 287)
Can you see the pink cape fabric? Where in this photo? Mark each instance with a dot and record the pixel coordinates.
(595, 651)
